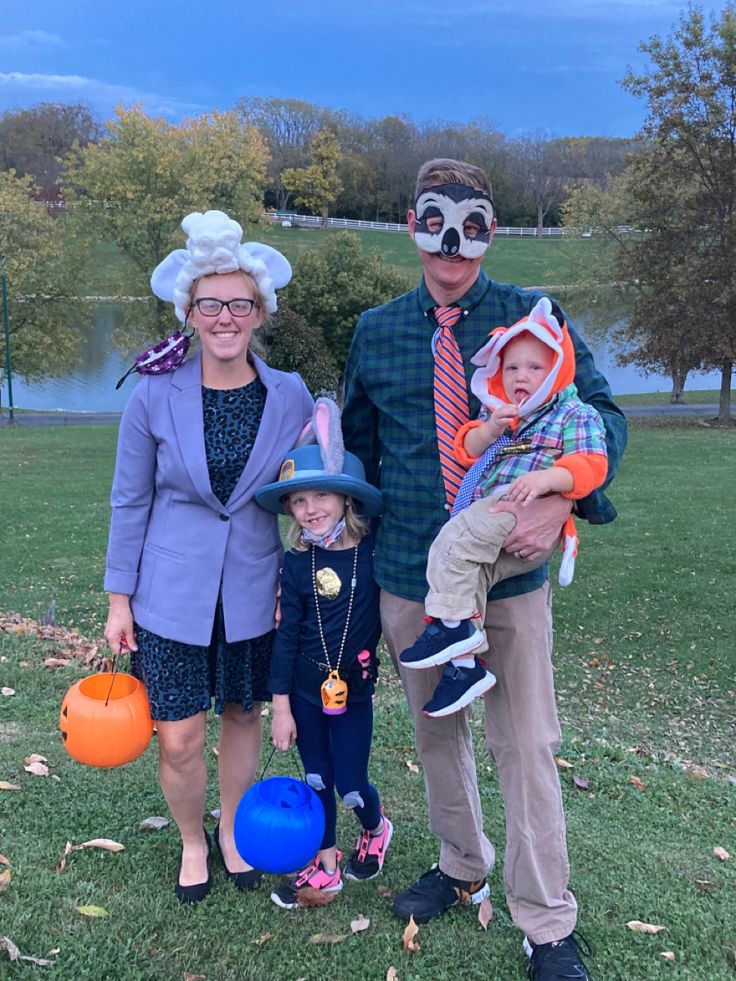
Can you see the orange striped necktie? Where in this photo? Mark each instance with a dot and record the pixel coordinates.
(450, 396)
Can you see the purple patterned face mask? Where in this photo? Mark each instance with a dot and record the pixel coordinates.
(162, 358)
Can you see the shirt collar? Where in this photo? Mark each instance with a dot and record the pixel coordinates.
(468, 302)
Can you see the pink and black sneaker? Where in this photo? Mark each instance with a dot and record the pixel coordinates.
(314, 876)
(370, 851)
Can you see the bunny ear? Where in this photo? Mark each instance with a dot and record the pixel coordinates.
(305, 436)
(326, 424)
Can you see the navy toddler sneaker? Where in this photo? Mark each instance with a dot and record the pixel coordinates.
(457, 688)
(439, 644)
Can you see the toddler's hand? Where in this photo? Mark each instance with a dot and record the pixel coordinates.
(529, 486)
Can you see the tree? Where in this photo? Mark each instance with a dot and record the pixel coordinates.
(690, 89)
(317, 186)
(135, 186)
(287, 126)
(35, 141)
(294, 345)
(39, 261)
(333, 285)
(543, 174)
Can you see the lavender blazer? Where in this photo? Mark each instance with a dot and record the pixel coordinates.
(172, 544)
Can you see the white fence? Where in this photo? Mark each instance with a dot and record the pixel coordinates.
(314, 221)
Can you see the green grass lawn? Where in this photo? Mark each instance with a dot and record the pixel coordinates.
(645, 675)
(548, 262)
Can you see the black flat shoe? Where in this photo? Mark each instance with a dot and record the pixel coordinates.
(200, 890)
(244, 881)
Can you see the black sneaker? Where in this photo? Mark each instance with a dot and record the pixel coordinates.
(439, 644)
(457, 688)
(557, 960)
(434, 893)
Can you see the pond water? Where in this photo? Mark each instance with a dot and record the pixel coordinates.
(90, 386)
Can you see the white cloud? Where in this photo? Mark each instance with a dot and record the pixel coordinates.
(23, 88)
(31, 41)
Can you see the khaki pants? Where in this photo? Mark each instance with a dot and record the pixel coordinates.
(522, 735)
(466, 559)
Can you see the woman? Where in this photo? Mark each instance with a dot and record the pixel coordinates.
(192, 561)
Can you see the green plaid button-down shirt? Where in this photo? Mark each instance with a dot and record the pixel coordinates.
(388, 421)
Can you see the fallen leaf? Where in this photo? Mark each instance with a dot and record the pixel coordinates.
(563, 764)
(407, 938)
(640, 927)
(153, 824)
(638, 784)
(581, 783)
(262, 939)
(327, 938)
(57, 662)
(4, 785)
(105, 843)
(485, 913)
(216, 750)
(309, 897)
(704, 885)
(37, 769)
(92, 910)
(385, 892)
(698, 772)
(61, 864)
(193, 977)
(359, 923)
(7, 692)
(411, 765)
(264, 711)
(35, 758)
(668, 955)
(5, 880)
(391, 974)
(4, 860)
(721, 853)
(14, 954)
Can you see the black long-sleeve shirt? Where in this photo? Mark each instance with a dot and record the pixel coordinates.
(298, 663)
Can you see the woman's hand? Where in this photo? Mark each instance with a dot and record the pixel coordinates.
(119, 632)
(283, 730)
(538, 525)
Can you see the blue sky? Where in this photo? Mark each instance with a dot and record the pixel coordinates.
(550, 64)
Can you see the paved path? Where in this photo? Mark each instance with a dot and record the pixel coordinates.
(113, 418)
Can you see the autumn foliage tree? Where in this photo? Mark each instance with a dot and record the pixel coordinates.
(685, 191)
(134, 187)
(41, 265)
(317, 185)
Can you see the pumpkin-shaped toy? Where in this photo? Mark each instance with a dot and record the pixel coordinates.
(334, 692)
(105, 719)
(279, 825)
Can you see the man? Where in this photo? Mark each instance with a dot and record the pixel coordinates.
(390, 421)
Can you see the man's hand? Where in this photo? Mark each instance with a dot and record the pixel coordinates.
(538, 525)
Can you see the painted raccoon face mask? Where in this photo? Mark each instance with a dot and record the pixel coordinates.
(454, 219)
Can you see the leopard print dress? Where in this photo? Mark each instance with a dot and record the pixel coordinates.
(182, 679)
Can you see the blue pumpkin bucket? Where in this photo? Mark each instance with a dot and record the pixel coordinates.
(279, 825)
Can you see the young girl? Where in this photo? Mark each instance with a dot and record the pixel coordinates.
(323, 665)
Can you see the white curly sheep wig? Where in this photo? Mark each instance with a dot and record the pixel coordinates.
(214, 246)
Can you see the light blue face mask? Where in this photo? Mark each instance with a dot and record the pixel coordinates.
(329, 537)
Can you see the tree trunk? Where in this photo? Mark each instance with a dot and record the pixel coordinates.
(724, 402)
(678, 385)
(540, 221)
(325, 217)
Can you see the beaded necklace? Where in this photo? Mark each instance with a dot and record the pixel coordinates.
(334, 689)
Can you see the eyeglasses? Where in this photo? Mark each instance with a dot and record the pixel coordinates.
(210, 307)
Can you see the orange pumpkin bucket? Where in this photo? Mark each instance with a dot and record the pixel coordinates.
(105, 719)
